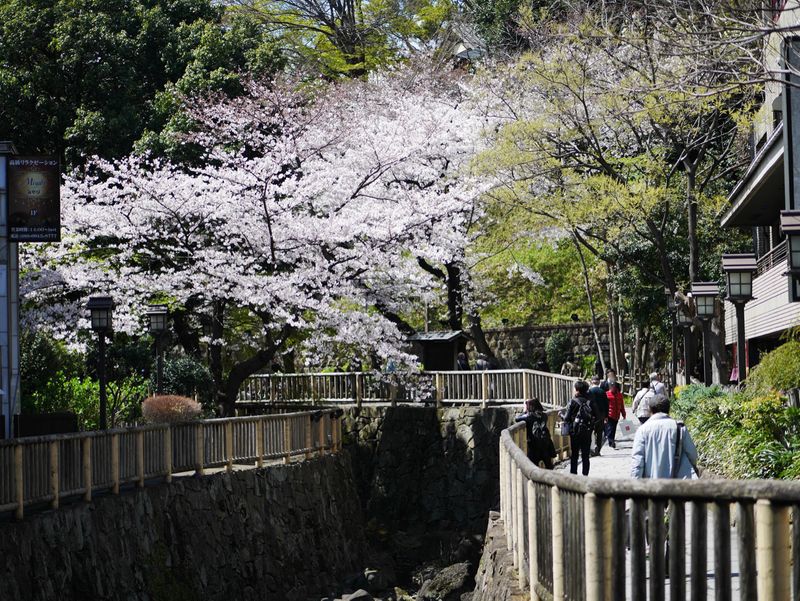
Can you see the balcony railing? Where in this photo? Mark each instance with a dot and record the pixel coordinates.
(776, 256)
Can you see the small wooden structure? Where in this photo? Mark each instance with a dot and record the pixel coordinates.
(438, 351)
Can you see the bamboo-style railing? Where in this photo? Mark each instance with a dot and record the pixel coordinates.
(47, 469)
(451, 387)
(569, 535)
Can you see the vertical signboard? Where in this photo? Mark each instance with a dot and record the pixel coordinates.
(34, 201)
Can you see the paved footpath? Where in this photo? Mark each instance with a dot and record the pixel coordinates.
(616, 463)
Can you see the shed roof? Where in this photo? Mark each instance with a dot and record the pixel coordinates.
(439, 336)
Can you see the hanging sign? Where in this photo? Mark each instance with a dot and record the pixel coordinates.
(34, 199)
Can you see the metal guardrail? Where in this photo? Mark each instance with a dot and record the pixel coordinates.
(569, 534)
(776, 256)
(455, 387)
(47, 469)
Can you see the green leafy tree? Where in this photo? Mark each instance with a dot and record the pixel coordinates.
(82, 77)
(350, 38)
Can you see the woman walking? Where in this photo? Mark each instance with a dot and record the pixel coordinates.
(616, 407)
(540, 445)
(581, 417)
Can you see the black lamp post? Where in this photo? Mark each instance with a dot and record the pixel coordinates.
(705, 298)
(672, 307)
(683, 315)
(790, 225)
(157, 324)
(739, 270)
(101, 309)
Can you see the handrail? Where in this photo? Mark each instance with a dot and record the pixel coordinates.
(454, 387)
(46, 469)
(556, 524)
(775, 256)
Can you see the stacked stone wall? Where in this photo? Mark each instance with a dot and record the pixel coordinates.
(523, 347)
(279, 533)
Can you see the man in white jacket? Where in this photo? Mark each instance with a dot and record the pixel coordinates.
(663, 447)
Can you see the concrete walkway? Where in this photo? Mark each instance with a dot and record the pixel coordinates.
(615, 463)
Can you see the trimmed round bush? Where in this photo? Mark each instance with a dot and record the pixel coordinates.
(170, 408)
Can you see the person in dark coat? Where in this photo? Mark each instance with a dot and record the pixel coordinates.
(580, 415)
(462, 362)
(599, 401)
(540, 444)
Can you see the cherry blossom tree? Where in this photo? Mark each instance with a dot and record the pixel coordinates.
(305, 225)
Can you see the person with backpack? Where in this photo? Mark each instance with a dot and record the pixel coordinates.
(580, 415)
(540, 445)
(641, 402)
(599, 401)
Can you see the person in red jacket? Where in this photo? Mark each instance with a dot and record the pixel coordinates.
(616, 407)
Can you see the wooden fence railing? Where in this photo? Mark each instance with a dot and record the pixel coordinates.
(47, 469)
(577, 538)
(454, 387)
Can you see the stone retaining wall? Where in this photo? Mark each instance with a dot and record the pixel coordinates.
(279, 533)
(497, 580)
(427, 478)
(522, 347)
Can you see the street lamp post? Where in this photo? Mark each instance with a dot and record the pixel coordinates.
(672, 307)
(683, 315)
(705, 297)
(157, 324)
(101, 309)
(790, 225)
(739, 270)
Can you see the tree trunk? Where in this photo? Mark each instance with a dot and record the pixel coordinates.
(691, 201)
(479, 338)
(589, 299)
(455, 297)
(215, 354)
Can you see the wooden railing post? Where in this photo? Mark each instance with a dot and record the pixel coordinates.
(54, 473)
(199, 450)
(259, 442)
(272, 392)
(309, 427)
(526, 386)
(592, 541)
(359, 390)
(439, 380)
(772, 551)
(168, 453)
(287, 441)
(229, 446)
(321, 437)
(558, 543)
(484, 389)
(140, 457)
(533, 558)
(19, 482)
(115, 464)
(520, 527)
(86, 460)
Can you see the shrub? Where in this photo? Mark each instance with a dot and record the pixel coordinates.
(186, 377)
(170, 408)
(778, 370)
(557, 348)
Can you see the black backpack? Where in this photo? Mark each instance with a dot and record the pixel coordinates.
(539, 430)
(584, 419)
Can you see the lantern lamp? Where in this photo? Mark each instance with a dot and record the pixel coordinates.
(705, 297)
(101, 309)
(790, 226)
(739, 270)
(157, 318)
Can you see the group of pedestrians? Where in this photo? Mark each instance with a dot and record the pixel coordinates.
(662, 447)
